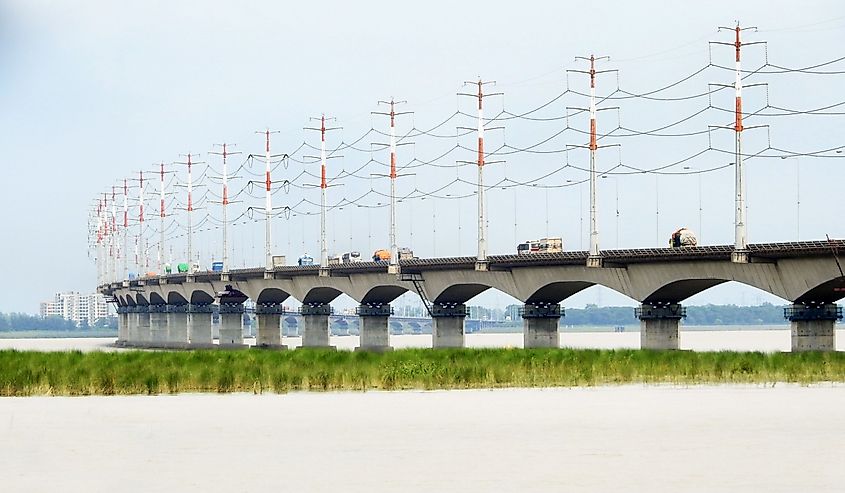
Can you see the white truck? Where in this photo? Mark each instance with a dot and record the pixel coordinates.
(543, 245)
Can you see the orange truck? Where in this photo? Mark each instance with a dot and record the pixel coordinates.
(381, 255)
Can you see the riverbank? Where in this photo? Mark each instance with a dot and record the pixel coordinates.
(165, 372)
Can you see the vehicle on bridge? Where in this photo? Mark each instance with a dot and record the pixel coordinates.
(683, 237)
(381, 255)
(305, 260)
(406, 253)
(217, 267)
(543, 245)
(349, 257)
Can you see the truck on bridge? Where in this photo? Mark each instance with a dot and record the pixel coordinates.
(543, 245)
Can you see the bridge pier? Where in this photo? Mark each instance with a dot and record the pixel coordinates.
(813, 326)
(375, 329)
(177, 326)
(122, 325)
(199, 326)
(447, 325)
(231, 325)
(540, 325)
(269, 316)
(659, 325)
(158, 326)
(315, 325)
(142, 326)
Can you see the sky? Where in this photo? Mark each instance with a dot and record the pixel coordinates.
(95, 92)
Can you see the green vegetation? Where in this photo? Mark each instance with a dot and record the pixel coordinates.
(157, 372)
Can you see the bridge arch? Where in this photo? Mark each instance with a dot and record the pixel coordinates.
(156, 299)
(461, 293)
(272, 296)
(677, 291)
(176, 298)
(321, 295)
(827, 292)
(556, 292)
(200, 297)
(383, 294)
(129, 301)
(141, 300)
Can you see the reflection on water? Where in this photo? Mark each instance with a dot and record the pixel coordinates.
(631, 438)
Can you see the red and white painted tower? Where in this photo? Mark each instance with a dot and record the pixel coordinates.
(740, 240)
(324, 249)
(594, 257)
(393, 267)
(161, 216)
(225, 153)
(125, 228)
(740, 253)
(142, 250)
(481, 258)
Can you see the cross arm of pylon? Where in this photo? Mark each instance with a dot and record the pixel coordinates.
(579, 146)
(333, 156)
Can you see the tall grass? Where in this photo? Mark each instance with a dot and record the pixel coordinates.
(25, 373)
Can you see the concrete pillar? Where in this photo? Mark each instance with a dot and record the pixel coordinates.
(813, 325)
(374, 327)
(232, 325)
(177, 326)
(199, 326)
(315, 325)
(447, 327)
(143, 326)
(540, 323)
(122, 325)
(659, 325)
(158, 325)
(269, 318)
(131, 326)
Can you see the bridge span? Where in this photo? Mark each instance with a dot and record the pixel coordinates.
(807, 274)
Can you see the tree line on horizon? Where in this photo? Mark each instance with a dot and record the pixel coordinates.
(13, 322)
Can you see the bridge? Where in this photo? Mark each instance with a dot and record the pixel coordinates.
(178, 307)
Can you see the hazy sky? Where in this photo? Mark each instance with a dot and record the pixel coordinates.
(93, 92)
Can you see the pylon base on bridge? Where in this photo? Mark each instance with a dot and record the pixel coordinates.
(268, 274)
(325, 272)
(595, 261)
(482, 265)
(739, 256)
(393, 269)
(224, 277)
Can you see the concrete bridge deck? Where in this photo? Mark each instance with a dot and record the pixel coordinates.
(808, 274)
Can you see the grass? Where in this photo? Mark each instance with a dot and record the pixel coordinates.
(25, 373)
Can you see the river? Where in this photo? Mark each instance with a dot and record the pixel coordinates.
(628, 438)
(737, 339)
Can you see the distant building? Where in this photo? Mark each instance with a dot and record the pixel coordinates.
(77, 307)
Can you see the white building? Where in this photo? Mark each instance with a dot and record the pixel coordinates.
(74, 306)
